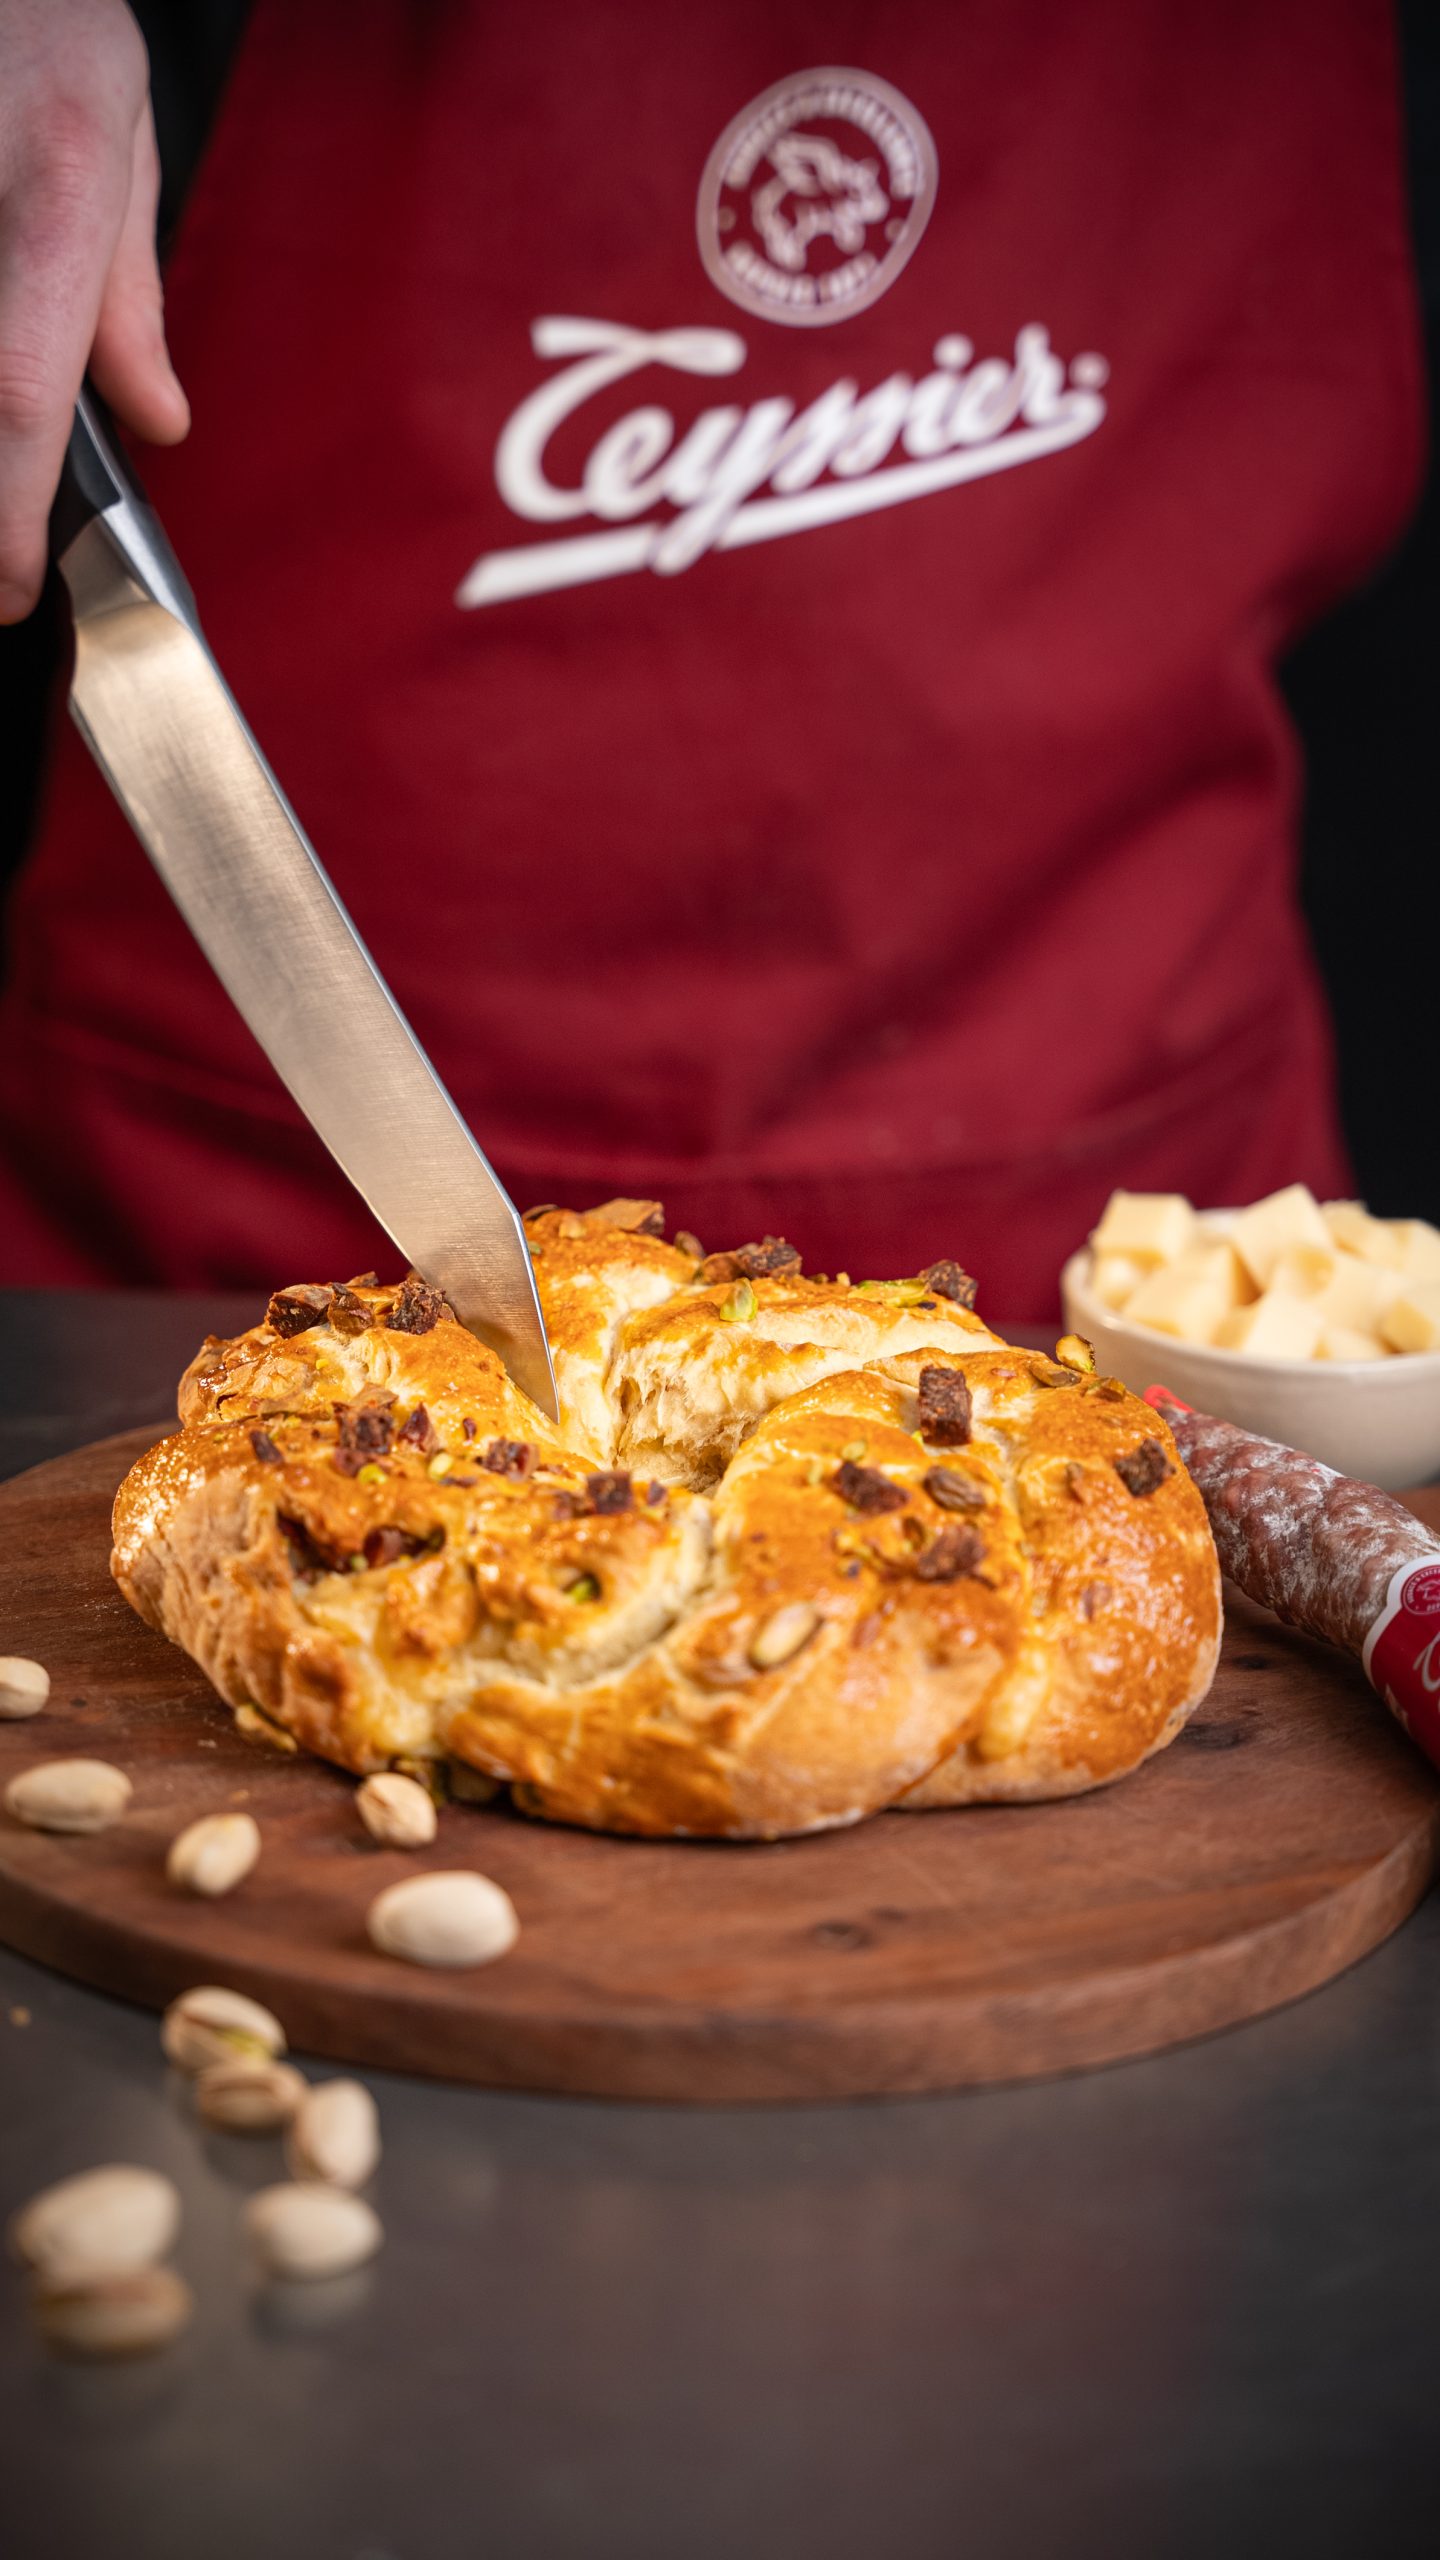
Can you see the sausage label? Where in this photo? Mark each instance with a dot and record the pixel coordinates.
(1402, 1654)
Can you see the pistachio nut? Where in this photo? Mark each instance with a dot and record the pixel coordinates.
(450, 1917)
(118, 2311)
(248, 2094)
(118, 2216)
(254, 1726)
(308, 2230)
(211, 2024)
(783, 1633)
(68, 1795)
(213, 1855)
(396, 1810)
(470, 1786)
(24, 1686)
(335, 2135)
(739, 1306)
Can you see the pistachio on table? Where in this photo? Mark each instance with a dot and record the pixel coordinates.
(396, 1810)
(248, 2093)
(115, 2217)
(115, 2311)
(310, 2230)
(68, 1795)
(215, 1854)
(211, 2024)
(24, 1686)
(450, 1917)
(335, 2136)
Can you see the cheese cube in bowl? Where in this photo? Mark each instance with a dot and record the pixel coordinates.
(1312, 1323)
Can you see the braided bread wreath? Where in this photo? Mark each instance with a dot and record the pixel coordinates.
(799, 1550)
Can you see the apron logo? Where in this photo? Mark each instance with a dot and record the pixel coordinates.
(815, 197)
(666, 491)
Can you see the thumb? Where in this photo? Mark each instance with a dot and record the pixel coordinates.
(129, 359)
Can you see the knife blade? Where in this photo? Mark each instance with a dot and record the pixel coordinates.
(161, 723)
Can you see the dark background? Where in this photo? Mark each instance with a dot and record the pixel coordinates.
(1362, 687)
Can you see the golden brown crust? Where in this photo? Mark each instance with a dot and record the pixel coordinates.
(918, 1573)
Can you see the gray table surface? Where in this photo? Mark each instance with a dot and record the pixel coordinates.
(1184, 2307)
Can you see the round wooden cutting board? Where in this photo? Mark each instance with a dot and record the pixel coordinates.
(1288, 1831)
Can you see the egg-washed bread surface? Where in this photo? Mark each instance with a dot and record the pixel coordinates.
(800, 1548)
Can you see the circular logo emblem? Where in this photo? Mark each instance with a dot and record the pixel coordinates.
(1421, 1593)
(815, 197)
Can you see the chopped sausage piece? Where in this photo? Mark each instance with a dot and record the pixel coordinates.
(944, 1407)
(386, 1546)
(686, 1241)
(418, 1308)
(717, 1266)
(866, 1489)
(294, 1311)
(508, 1458)
(762, 1261)
(949, 1281)
(264, 1448)
(955, 1552)
(366, 1431)
(654, 1491)
(952, 1492)
(609, 1490)
(420, 1433)
(468, 1425)
(349, 1314)
(364, 1280)
(1144, 1468)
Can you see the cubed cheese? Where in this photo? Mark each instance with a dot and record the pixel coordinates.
(1187, 1303)
(1215, 1259)
(1419, 1244)
(1411, 1322)
(1113, 1277)
(1347, 1342)
(1276, 1327)
(1357, 1293)
(1350, 1224)
(1304, 1270)
(1149, 1226)
(1262, 1234)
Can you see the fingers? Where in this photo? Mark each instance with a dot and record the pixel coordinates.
(129, 359)
(59, 224)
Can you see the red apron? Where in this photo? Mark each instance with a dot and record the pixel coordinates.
(761, 581)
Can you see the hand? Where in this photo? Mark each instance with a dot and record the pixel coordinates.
(79, 284)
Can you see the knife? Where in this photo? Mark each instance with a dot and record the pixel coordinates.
(161, 723)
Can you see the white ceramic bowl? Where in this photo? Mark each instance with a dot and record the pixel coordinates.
(1376, 1419)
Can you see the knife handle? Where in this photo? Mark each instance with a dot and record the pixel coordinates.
(98, 479)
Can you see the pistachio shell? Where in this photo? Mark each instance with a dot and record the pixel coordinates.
(396, 1810)
(307, 2230)
(450, 1917)
(335, 2135)
(211, 2024)
(129, 2311)
(24, 1686)
(248, 2094)
(118, 2216)
(68, 1795)
(213, 1855)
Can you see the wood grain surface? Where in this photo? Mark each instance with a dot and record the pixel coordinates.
(1287, 1832)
